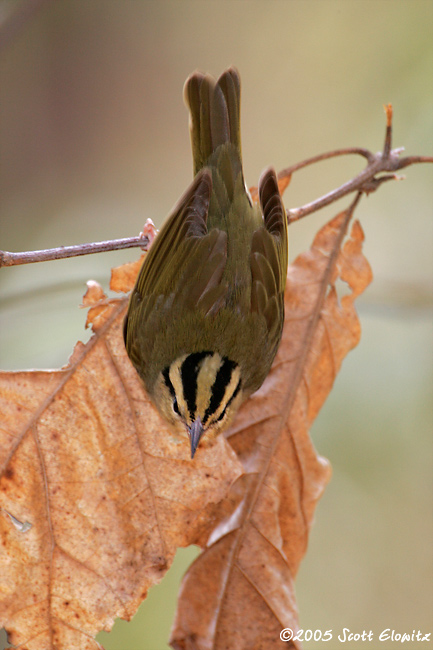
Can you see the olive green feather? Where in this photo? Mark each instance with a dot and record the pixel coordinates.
(215, 275)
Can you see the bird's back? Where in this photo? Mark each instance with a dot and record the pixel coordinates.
(205, 317)
(214, 107)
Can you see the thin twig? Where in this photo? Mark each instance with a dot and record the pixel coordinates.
(366, 181)
(385, 163)
(388, 133)
(62, 252)
(360, 151)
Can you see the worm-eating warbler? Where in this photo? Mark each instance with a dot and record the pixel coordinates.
(205, 317)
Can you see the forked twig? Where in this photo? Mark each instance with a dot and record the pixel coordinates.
(385, 163)
(381, 167)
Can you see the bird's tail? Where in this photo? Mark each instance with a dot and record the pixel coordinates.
(215, 119)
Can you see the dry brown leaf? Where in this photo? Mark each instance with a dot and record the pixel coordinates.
(239, 593)
(96, 300)
(123, 277)
(95, 494)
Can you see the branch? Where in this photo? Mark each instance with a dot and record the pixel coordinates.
(62, 252)
(367, 181)
(380, 168)
(144, 239)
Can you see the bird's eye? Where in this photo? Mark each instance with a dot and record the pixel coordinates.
(175, 406)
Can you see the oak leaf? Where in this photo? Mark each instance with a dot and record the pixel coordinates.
(239, 593)
(96, 494)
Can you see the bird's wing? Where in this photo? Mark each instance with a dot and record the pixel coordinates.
(185, 261)
(269, 256)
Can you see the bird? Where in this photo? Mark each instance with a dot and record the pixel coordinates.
(205, 317)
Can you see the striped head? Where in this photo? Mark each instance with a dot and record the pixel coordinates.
(199, 393)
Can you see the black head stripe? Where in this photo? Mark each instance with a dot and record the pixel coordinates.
(166, 375)
(220, 384)
(235, 392)
(189, 372)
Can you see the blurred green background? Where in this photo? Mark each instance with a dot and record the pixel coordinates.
(94, 140)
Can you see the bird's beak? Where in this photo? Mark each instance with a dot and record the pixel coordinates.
(195, 432)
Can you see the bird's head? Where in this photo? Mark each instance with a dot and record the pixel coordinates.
(199, 393)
